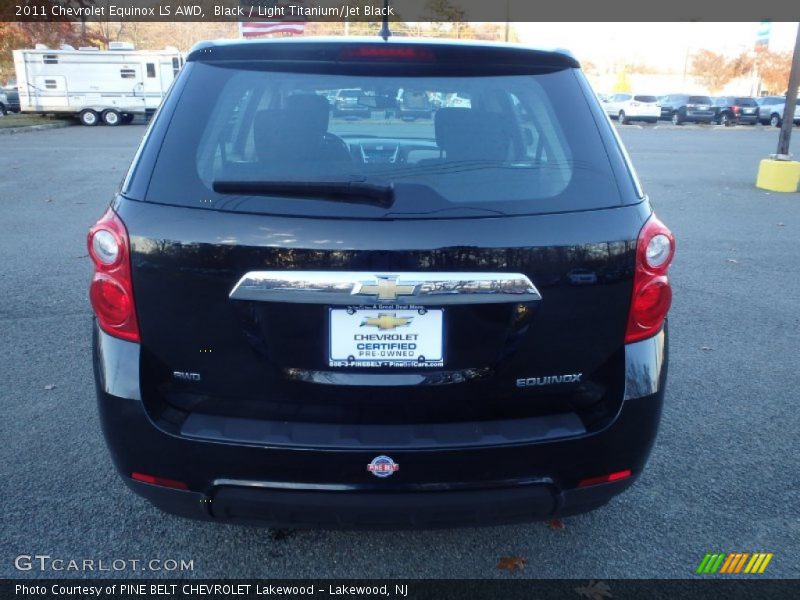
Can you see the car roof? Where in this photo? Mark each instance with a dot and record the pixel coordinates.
(328, 49)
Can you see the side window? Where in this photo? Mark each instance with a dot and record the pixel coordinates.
(127, 73)
(151, 70)
(176, 66)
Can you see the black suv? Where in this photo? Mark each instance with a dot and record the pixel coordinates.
(9, 100)
(309, 320)
(683, 108)
(732, 110)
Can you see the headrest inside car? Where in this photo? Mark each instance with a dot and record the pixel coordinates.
(469, 134)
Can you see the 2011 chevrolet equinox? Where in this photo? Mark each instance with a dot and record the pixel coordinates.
(309, 316)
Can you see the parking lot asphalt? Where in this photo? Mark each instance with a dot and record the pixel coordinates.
(723, 476)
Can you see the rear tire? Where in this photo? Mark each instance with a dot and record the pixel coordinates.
(775, 120)
(112, 118)
(623, 120)
(127, 118)
(3, 110)
(677, 119)
(89, 118)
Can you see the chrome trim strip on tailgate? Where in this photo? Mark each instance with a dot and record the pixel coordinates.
(357, 288)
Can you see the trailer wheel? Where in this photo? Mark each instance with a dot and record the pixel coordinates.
(88, 117)
(127, 118)
(111, 117)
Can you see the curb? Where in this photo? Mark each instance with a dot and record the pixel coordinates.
(25, 128)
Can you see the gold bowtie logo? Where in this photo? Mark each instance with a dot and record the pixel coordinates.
(386, 321)
(385, 288)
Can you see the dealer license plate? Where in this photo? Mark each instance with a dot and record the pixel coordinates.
(386, 337)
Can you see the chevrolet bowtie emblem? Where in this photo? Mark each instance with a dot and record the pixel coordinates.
(385, 288)
(386, 321)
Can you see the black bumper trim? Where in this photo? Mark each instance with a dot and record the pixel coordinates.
(379, 510)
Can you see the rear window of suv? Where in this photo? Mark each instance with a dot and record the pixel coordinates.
(645, 98)
(699, 100)
(511, 144)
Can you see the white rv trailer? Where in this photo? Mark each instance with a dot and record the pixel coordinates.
(95, 85)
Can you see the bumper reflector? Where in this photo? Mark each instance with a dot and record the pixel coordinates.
(163, 482)
(615, 476)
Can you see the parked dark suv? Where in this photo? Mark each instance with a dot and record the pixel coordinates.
(732, 110)
(306, 320)
(9, 100)
(683, 108)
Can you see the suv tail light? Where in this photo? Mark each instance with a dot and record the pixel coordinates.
(111, 289)
(652, 294)
(735, 109)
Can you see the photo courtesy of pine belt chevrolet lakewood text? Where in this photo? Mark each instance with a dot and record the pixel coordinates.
(355, 283)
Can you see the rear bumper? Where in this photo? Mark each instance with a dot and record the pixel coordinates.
(353, 509)
(642, 114)
(332, 488)
(699, 117)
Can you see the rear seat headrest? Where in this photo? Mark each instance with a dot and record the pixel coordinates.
(469, 134)
(311, 107)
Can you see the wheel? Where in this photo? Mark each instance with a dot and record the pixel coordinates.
(623, 120)
(127, 118)
(89, 117)
(676, 118)
(3, 110)
(111, 117)
(725, 119)
(775, 120)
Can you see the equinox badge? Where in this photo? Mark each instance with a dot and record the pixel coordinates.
(549, 380)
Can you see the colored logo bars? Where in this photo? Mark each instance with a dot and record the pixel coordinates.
(733, 563)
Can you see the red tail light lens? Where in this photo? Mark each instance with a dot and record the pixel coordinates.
(111, 289)
(652, 294)
(735, 109)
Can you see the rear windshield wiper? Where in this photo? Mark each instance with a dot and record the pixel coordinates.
(355, 191)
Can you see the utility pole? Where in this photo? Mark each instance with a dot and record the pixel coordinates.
(779, 173)
(791, 99)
